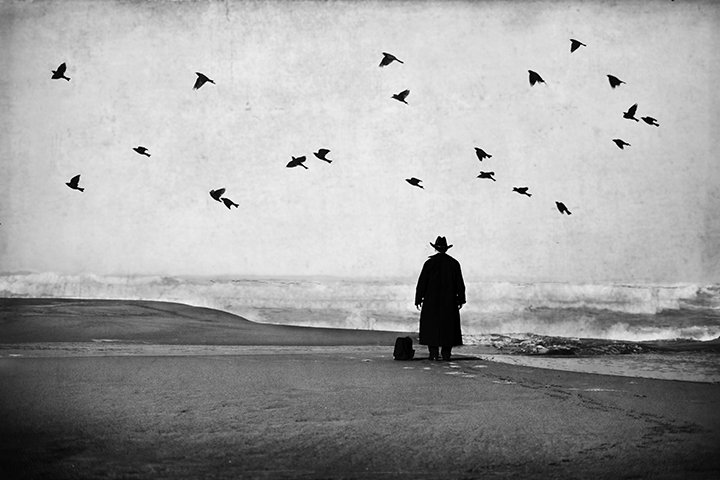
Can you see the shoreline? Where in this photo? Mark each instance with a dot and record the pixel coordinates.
(49, 327)
(686, 368)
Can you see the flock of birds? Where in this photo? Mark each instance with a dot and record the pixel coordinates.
(534, 78)
(321, 154)
(216, 194)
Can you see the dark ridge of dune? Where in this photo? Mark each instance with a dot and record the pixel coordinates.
(27, 320)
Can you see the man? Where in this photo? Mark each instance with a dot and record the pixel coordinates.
(441, 293)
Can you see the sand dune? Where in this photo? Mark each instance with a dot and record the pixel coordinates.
(25, 320)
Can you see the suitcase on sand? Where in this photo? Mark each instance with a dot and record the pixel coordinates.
(403, 349)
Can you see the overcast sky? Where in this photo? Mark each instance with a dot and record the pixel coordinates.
(293, 77)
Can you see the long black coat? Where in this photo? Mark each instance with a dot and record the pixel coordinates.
(441, 290)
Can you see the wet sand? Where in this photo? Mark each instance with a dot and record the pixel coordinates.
(110, 389)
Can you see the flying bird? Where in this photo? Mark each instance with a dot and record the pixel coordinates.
(522, 191)
(481, 154)
(73, 183)
(562, 208)
(575, 44)
(321, 154)
(402, 96)
(614, 81)
(388, 58)
(630, 114)
(201, 80)
(60, 72)
(414, 182)
(487, 175)
(297, 162)
(650, 121)
(621, 143)
(216, 194)
(229, 203)
(142, 151)
(535, 78)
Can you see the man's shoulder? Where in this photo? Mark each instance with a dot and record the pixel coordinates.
(451, 259)
(442, 257)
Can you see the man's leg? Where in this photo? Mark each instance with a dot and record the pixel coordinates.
(434, 352)
(446, 351)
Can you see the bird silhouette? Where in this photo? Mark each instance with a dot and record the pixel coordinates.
(73, 183)
(621, 143)
(575, 44)
(321, 154)
(650, 121)
(229, 203)
(614, 81)
(487, 175)
(562, 208)
(401, 96)
(297, 162)
(481, 154)
(142, 151)
(630, 114)
(535, 78)
(522, 191)
(216, 194)
(201, 80)
(60, 72)
(388, 58)
(414, 182)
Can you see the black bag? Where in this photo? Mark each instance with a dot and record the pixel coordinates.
(404, 349)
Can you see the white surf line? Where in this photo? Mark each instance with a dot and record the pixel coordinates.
(595, 390)
(107, 348)
(616, 365)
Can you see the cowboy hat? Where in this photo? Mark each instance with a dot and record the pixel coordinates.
(440, 244)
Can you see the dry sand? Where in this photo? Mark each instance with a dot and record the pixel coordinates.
(193, 393)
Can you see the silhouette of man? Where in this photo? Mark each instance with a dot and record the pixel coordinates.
(441, 294)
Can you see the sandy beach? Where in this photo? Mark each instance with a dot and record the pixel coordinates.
(135, 389)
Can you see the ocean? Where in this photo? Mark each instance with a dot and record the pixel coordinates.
(615, 312)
